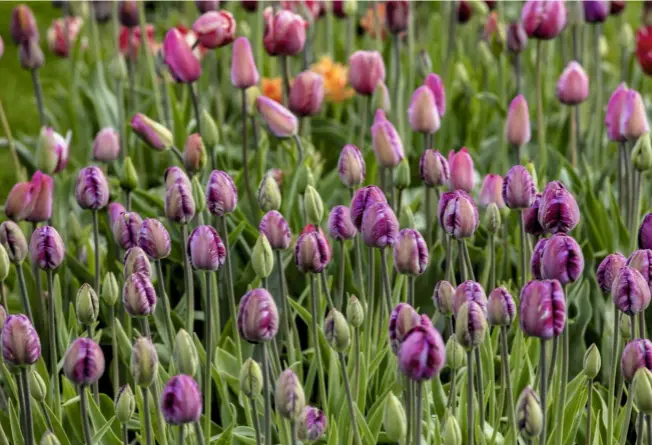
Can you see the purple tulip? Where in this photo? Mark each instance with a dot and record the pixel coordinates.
(637, 354)
(386, 141)
(491, 191)
(205, 249)
(279, 119)
(126, 228)
(434, 82)
(469, 291)
(276, 230)
(542, 309)
(366, 70)
(128, 13)
(184, 67)
(470, 325)
(461, 170)
(312, 252)
(46, 248)
(573, 85)
(285, 32)
(537, 256)
(135, 261)
(30, 55)
(364, 197)
(517, 125)
(174, 175)
(91, 188)
(531, 217)
(340, 226)
(179, 203)
(544, 20)
(397, 13)
(289, 397)
(221, 193)
(154, 239)
(204, 6)
(562, 259)
(83, 363)
(608, 269)
(215, 29)
(444, 298)
(595, 11)
(21, 345)
(181, 400)
(558, 210)
(379, 226)
(307, 94)
(423, 116)
(422, 354)
(106, 147)
(23, 25)
(138, 295)
(401, 321)
(500, 307)
(633, 117)
(410, 253)
(257, 316)
(645, 233)
(351, 166)
(516, 37)
(244, 73)
(433, 168)
(518, 188)
(14, 242)
(458, 214)
(641, 260)
(629, 291)
(312, 424)
(152, 133)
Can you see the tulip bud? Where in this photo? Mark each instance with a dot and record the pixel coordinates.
(573, 85)
(562, 259)
(491, 191)
(592, 362)
(154, 239)
(269, 194)
(205, 249)
(4, 264)
(379, 226)
(144, 362)
(312, 424)
(23, 25)
(19, 201)
(401, 321)
(138, 295)
(151, 132)
(21, 345)
(3, 317)
(485, 55)
(251, 379)
(53, 151)
(394, 419)
(179, 205)
(455, 355)
(351, 166)
(221, 193)
(304, 179)
(537, 255)
(542, 310)
(433, 168)
(644, 233)
(452, 432)
(500, 307)
(182, 64)
(215, 29)
(336, 331)
(518, 188)
(531, 217)
(366, 70)
(422, 353)
(364, 198)
(49, 438)
(630, 292)
(517, 125)
(124, 404)
(340, 226)
(471, 324)
(194, 154)
(262, 257)
(355, 312)
(423, 116)
(613, 116)
(307, 94)
(444, 298)
(129, 177)
(14, 242)
(92, 188)
(281, 122)
(543, 21)
(181, 400)
(289, 397)
(626, 328)
(516, 37)
(410, 253)
(46, 248)
(185, 353)
(381, 99)
(636, 355)
(83, 363)
(209, 132)
(642, 153)
(110, 290)
(30, 55)
(402, 175)
(313, 205)
(386, 142)
(244, 73)
(642, 389)
(257, 316)
(558, 210)
(458, 214)
(106, 147)
(37, 388)
(118, 68)
(285, 32)
(529, 417)
(461, 170)
(641, 260)
(493, 220)
(312, 252)
(633, 118)
(87, 305)
(276, 230)
(135, 261)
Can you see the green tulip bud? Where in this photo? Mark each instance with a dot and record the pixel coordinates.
(73, 226)
(350, 7)
(592, 362)
(642, 389)
(251, 379)
(626, 328)
(118, 68)
(252, 94)
(124, 404)
(381, 98)
(529, 417)
(394, 419)
(484, 52)
(424, 63)
(314, 206)
(461, 75)
(493, 220)
(304, 179)
(336, 331)
(110, 289)
(402, 175)
(269, 194)
(198, 195)
(479, 8)
(406, 217)
(144, 362)
(355, 312)
(209, 133)
(37, 388)
(49, 438)
(452, 432)
(4, 264)
(642, 153)
(87, 305)
(129, 178)
(262, 257)
(185, 353)
(455, 356)
(626, 37)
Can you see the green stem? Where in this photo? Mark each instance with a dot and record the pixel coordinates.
(229, 285)
(327, 291)
(628, 415)
(29, 422)
(387, 289)
(195, 107)
(417, 413)
(52, 337)
(23, 292)
(189, 285)
(543, 382)
(245, 153)
(115, 363)
(358, 267)
(340, 277)
(553, 360)
(267, 396)
(38, 94)
(588, 413)
(410, 290)
(150, 62)
(648, 422)
(208, 338)
(349, 399)
(409, 406)
(449, 258)
(480, 385)
(461, 260)
(200, 435)
(492, 262)
(315, 335)
(293, 432)
(96, 241)
(356, 355)
(573, 135)
(562, 387)
(521, 229)
(46, 415)
(254, 410)
(469, 396)
(182, 435)
(125, 434)
(146, 413)
(300, 150)
(287, 315)
(467, 261)
(285, 72)
(428, 211)
(365, 103)
(162, 295)
(83, 400)
(541, 140)
(508, 382)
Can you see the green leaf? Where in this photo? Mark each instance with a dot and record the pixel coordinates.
(99, 421)
(16, 429)
(102, 431)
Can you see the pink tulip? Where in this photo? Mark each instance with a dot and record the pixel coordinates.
(244, 73)
(285, 32)
(461, 170)
(182, 63)
(366, 70)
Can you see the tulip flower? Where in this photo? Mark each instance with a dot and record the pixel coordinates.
(181, 401)
(517, 126)
(543, 20)
(558, 210)
(573, 85)
(458, 214)
(312, 424)
(244, 73)
(184, 67)
(596, 11)
(630, 291)
(643, 47)
(423, 115)
(280, 120)
(106, 147)
(258, 320)
(289, 397)
(285, 32)
(636, 355)
(608, 269)
(386, 143)
(351, 166)
(59, 42)
(135, 260)
(461, 170)
(410, 255)
(128, 13)
(204, 6)
(491, 191)
(307, 94)
(366, 70)
(215, 29)
(40, 198)
(562, 259)
(436, 86)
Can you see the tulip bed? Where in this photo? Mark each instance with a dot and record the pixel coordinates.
(328, 222)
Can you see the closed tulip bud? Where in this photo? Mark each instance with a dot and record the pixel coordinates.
(379, 226)
(501, 309)
(630, 291)
(124, 404)
(529, 417)
(493, 220)
(23, 25)
(204, 6)
(595, 11)
(179, 204)
(381, 99)
(276, 230)
(636, 355)
(518, 189)
(394, 419)
(401, 175)
(626, 328)
(304, 179)
(516, 37)
(340, 225)
(386, 142)
(642, 153)
(106, 147)
(401, 321)
(573, 85)
(185, 353)
(307, 94)
(436, 86)
(452, 433)
(614, 114)
(543, 20)
(154, 239)
(461, 170)
(40, 206)
(128, 13)
(608, 269)
(485, 55)
(444, 298)
(110, 290)
(118, 68)
(455, 356)
(144, 362)
(14, 242)
(351, 166)
(396, 15)
(592, 362)
(633, 118)
(215, 29)
(312, 424)
(92, 188)
(313, 205)
(531, 217)
(562, 259)
(312, 252)
(37, 387)
(251, 379)
(257, 316)
(336, 331)
(458, 214)
(138, 295)
(366, 70)
(205, 249)
(209, 132)
(491, 191)
(21, 345)
(355, 312)
(421, 354)
(289, 397)
(49, 438)
(285, 32)
(46, 248)
(30, 55)
(87, 305)
(4, 264)
(221, 193)
(410, 253)
(423, 116)
(53, 151)
(644, 233)
(433, 168)
(19, 201)
(542, 310)
(182, 64)
(364, 198)
(558, 210)
(194, 154)
(537, 255)
(641, 260)
(181, 400)
(129, 176)
(642, 389)
(517, 125)
(135, 261)
(151, 132)
(269, 194)
(262, 257)
(244, 73)
(83, 363)
(471, 324)
(281, 122)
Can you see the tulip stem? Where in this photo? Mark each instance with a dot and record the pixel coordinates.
(553, 360)
(29, 426)
(541, 140)
(297, 140)
(467, 261)
(182, 434)
(285, 72)
(293, 432)
(340, 276)
(626, 420)
(83, 400)
(598, 86)
(315, 335)
(188, 278)
(285, 307)
(115, 363)
(356, 366)
(208, 338)
(612, 377)
(349, 399)
(23, 292)
(229, 285)
(200, 435)
(492, 262)
(544, 384)
(469, 396)
(480, 385)
(417, 413)
(268, 396)
(38, 94)
(195, 107)
(327, 291)
(428, 211)
(96, 241)
(521, 229)
(588, 413)
(648, 421)
(449, 258)
(561, 400)
(365, 103)
(358, 267)
(52, 337)
(573, 135)
(245, 152)
(385, 278)
(146, 413)
(461, 261)
(254, 410)
(410, 290)
(164, 302)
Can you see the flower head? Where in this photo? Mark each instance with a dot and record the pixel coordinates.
(562, 259)
(21, 345)
(501, 309)
(276, 230)
(366, 70)
(205, 249)
(433, 168)
(312, 252)
(307, 94)
(629, 291)
(83, 363)
(244, 73)
(410, 253)
(517, 125)
(461, 170)
(458, 214)
(558, 210)
(285, 32)
(351, 166)
(181, 400)
(138, 295)
(491, 191)
(608, 269)
(637, 354)
(215, 29)
(92, 188)
(542, 309)
(544, 20)
(364, 197)
(154, 239)
(386, 141)
(422, 353)
(401, 321)
(340, 225)
(178, 56)
(573, 85)
(46, 248)
(379, 226)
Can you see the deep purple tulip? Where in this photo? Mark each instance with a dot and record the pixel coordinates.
(379, 226)
(444, 298)
(537, 255)
(205, 249)
(340, 225)
(154, 239)
(410, 253)
(516, 37)
(312, 252)
(276, 229)
(558, 210)
(500, 307)
(257, 316)
(135, 261)
(364, 197)
(207, 5)
(531, 217)
(128, 13)
(458, 214)
(629, 291)
(422, 354)
(470, 291)
(351, 166)
(542, 309)
(178, 56)
(595, 11)
(641, 260)
(181, 400)
(221, 193)
(401, 321)
(562, 259)
(312, 424)
(46, 248)
(179, 203)
(21, 345)
(518, 188)
(174, 175)
(126, 228)
(645, 233)
(138, 295)
(433, 168)
(637, 354)
(608, 269)
(83, 363)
